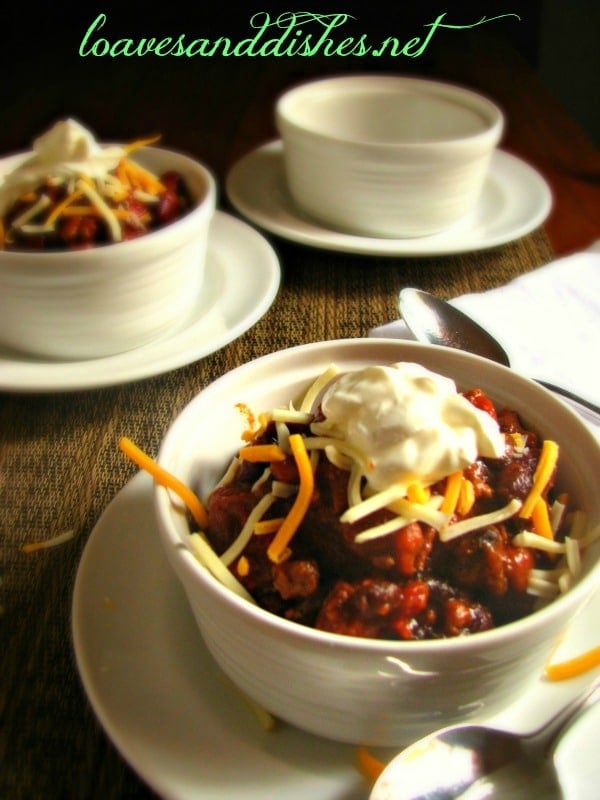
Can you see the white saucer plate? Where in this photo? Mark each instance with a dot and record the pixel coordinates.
(228, 305)
(181, 725)
(514, 201)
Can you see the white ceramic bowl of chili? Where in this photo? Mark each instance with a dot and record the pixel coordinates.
(386, 155)
(358, 690)
(87, 303)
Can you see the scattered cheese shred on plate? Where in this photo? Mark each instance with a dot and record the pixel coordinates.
(54, 541)
(369, 766)
(562, 670)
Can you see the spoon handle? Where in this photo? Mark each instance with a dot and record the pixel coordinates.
(548, 735)
(583, 406)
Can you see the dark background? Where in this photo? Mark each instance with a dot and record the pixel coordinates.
(44, 77)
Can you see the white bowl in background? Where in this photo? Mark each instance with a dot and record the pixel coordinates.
(386, 155)
(80, 304)
(353, 689)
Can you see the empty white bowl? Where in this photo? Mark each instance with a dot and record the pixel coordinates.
(386, 155)
(82, 304)
(353, 689)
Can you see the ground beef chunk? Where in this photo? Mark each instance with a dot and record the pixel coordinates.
(414, 610)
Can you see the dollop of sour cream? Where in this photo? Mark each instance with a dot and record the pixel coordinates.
(66, 149)
(409, 422)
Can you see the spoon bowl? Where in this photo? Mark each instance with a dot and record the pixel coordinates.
(435, 321)
(475, 761)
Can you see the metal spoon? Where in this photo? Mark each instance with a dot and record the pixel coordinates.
(473, 762)
(431, 319)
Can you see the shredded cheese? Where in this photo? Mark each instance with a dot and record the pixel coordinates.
(243, 566)
(58, 210)
(429, 512)
(572, 667)
(257, 453)
(229, 473)
(452, 493)
(472, 523)
(266, 526)
(104, 195)
(42, 203)
(288, 415)
(316, 387)
(211, 561)
(370, 766)
(108, 214)
(416, 492)
(543, 472)
(237, 546)
(540, 519)
(374, 503)
(54, 541)
(466, 497)
(530, 539)
(145, 142)
(382, 529)
(164, 478)
(278, 546)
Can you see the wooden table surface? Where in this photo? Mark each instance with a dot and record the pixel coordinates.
(59, 464)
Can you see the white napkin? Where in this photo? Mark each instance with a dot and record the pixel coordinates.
(548, 321)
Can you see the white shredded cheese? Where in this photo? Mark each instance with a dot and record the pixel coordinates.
(262, 479)
(316, 387)
(283, 490)
(53, 541)
(40, 205)
(236, 547)
(211, 561)
(530, 539)
(472, 523)
(107, 213)
(229, 473)
(382, 529)
(290, 415)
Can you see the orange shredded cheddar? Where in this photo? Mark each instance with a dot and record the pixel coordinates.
(137, 143)
(417, 493)
(452, 493)
(265, 526)
(572, 667)
(60, 208)
(243, 566)
(466, 497)
(262, 452)
(368, 765)
(277, 548)
(141, 178)
(541, 519)
(541, 476)
(164, 478)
